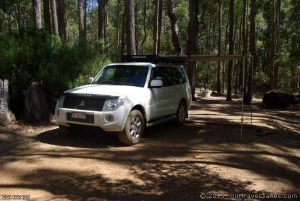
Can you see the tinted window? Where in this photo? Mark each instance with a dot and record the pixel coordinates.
(123, 75)
(181, 75)
(169, 75)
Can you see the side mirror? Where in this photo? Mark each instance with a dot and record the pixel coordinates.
(90, 80)
(156, 83)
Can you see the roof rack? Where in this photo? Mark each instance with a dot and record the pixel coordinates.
(154, 59)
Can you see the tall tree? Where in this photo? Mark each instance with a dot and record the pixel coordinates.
(47, 16)
(275, 43)
(62, 19)
(220, 52)
(54, 17)
(145, 25)
(101, 22)
(81, 5)
(193, 31)
(252, 41)
(37, 15)
(231, 49)
(174, 27)
(130, 27)
(244, 71)
(157, 26)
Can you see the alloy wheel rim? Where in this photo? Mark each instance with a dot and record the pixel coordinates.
(135, 127)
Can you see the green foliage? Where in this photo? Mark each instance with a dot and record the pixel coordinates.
(44, 58)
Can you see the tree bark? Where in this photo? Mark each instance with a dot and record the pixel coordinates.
(37, 14)
(47, 16)
(174, 27)
(252, 41)
(54, 17)
(274, 43)
(82, 36)
(130, 27)
(245, 47)
(193, 31)
(157, 26)
(220, 27)
(119, 25)
(231, 49)
(123, 34)
(277, 34)
(62, 19)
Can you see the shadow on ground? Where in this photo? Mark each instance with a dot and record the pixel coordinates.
(171, 163)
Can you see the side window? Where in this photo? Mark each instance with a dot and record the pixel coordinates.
(157, 74)
(169, 75)
(174, 76)
(181, 75)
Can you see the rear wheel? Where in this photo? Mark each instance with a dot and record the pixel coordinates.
(181, 113)
(134, 128)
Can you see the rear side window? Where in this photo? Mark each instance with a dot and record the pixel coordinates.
(181, 74)
(169, 75)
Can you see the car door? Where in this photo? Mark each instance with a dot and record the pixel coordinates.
(159, 96)
(173, 89)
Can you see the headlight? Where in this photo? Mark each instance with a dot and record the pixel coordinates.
(60, 102)
(113, 104)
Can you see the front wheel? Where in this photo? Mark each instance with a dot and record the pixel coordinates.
(134, 128)
(181, 113)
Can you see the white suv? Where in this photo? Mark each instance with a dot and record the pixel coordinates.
(126, 97)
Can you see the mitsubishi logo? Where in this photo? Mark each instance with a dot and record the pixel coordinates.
(82, 104)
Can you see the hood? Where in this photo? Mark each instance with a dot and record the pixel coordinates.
(106, 90)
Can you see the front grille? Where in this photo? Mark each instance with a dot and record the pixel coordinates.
(84, 102)
(89, 118)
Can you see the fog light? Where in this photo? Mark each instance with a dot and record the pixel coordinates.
(109, 118)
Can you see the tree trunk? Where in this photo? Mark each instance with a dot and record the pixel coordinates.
(174, 27)
(220, 27)
(47, 16)
(231, 49)
(157, 26)
(37, 14)
(252, 41)
(101, 23)
(18, 17)
(244, 71)
(145, 25)
(123, 34)
(274, 43)
(277, 35)
(193, 31)
(130, 27)
(119, 25)
(82, 36)
(54, 17)
(62, 20)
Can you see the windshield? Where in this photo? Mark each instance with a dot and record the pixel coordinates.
(123, 75)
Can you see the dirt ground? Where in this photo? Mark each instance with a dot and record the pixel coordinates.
(207, 155)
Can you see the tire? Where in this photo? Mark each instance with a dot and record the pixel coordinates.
(134, 128)
(181, 113)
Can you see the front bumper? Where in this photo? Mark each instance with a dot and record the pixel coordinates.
(108, 121)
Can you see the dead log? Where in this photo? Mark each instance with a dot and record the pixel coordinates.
(278, 100)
